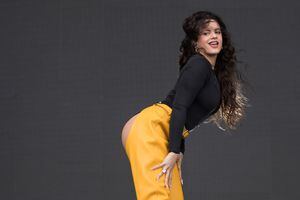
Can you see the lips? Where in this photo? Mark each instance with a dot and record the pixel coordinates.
(214, 44)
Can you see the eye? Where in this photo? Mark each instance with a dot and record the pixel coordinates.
(218, 32)
(205, 33)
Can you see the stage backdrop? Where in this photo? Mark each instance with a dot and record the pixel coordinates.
(73, 72)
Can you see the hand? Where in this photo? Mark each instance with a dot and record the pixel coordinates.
(167, 165)
(179, 163)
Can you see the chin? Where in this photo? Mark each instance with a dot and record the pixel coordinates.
(213, 53)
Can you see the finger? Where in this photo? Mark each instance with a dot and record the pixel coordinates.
(180, 175)
(167, 179)
(170, 179)
(161, 173)
(158, 166)
(179, 164)
(179, 169)
(180, 161)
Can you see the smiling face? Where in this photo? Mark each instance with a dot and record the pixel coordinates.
(210, 40)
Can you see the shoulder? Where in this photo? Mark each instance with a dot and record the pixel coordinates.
(197, 59)
(197, 63)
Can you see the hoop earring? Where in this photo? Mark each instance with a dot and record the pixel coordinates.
(196, 48)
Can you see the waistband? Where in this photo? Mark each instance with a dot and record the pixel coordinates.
(164, 106)
(166, 102)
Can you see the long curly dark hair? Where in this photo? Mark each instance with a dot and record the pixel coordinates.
(232, 108)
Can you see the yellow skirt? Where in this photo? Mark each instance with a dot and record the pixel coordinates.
(146, 146)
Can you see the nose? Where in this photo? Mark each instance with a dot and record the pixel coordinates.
(214, 35)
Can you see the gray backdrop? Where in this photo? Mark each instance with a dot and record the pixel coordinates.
(73, 72)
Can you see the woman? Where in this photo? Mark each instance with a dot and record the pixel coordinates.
(208, 88)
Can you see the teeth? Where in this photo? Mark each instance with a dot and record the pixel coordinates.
(213, 43)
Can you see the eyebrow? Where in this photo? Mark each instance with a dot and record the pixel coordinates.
(206, 29)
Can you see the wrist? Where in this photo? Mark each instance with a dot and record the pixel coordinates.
(176, 154)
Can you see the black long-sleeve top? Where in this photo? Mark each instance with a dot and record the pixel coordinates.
(195, 96)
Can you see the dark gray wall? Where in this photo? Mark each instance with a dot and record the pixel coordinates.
(73, 72)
